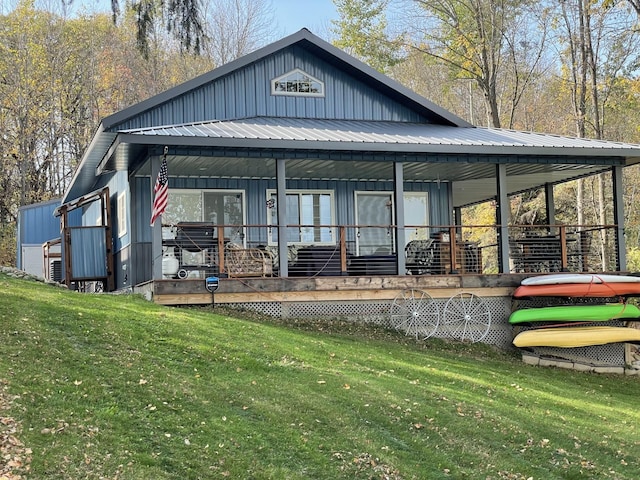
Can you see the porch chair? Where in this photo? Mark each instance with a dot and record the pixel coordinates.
(420, 256)
(247, 262)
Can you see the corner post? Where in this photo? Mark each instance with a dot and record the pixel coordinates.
(618, 213)
(281, 205)
(502, 217)
(156, 230)
(398, 172)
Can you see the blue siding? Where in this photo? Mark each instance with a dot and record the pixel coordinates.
(255, 191)
(142, 202)
(247, 93)
(117, 184)
(90, 261)
(36, 225)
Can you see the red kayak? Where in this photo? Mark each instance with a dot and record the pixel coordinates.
(623, 289)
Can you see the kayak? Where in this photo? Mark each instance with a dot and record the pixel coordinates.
(614, 289)
(575, 313)
(560, 278)
(571, 337)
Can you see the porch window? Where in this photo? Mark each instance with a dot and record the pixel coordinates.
(220, 207)
(375, 211)
(311, 212)
(297, 82)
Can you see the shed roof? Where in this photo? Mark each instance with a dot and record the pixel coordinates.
(314, 134)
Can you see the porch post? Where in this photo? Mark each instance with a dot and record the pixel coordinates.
(550, 204)
(398, 174)
(156, 230)
(618, 213)
(281, 205)
(502, 214)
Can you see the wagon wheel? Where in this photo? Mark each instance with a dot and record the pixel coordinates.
(467, 317)
(415, 313)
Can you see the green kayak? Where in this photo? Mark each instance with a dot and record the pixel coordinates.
(575, 313)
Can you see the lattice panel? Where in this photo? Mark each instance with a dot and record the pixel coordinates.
(273, 309)
(378, 313)
(597, 355)
(500, 333)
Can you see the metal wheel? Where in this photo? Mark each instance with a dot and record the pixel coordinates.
(466, 316)
(415, 313)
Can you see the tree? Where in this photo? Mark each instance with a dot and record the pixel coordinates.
(476, 39)
(599, 43)
(361, 32)
(236, 27)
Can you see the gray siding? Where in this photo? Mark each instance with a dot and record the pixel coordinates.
(247, 93)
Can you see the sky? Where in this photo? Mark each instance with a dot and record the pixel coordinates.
(316, 15)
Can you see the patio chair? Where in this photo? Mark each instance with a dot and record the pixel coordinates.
(247, 262)
(420, 256)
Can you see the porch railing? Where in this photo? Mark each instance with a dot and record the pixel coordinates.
(195, 249)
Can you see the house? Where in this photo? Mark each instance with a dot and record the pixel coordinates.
(364, 179)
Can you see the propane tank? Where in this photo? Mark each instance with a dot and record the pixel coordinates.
(170, 265)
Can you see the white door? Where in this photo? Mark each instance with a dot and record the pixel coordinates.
(374, 217)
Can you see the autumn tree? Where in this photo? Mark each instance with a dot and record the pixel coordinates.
(361, 31)
(599, 43)
(486, 41)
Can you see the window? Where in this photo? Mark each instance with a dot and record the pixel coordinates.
(376, 210)
(297, 82)
(310, 211)
(122, 214)
(220, 207)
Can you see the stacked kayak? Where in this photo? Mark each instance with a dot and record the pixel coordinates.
(558, 326)
(579, 285)
(571, 337)
(575, 313)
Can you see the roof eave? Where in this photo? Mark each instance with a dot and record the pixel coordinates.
(84, 177)
(283, 144)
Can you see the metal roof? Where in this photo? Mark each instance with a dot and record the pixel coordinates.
(113, 148)
(313, 134)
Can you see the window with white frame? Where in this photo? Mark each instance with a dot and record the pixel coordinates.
(310, 213)
(297, 82)
(122, 214)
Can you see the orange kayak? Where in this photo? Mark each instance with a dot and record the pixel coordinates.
(621, 289)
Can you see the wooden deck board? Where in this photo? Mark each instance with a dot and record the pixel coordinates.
(326, 289)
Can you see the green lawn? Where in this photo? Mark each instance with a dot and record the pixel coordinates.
(112, 386)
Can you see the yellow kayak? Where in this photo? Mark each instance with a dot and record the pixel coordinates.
(568, 337)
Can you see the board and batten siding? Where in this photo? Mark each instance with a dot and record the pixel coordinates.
(246, 93)
(255, 197)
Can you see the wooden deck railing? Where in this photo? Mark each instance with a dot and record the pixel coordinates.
(332, 250)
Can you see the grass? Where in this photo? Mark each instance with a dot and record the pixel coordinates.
(113, 386)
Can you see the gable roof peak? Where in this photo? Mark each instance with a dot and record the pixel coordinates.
(315, 45)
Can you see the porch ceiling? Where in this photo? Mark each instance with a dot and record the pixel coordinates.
(471, 182)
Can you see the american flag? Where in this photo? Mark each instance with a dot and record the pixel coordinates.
(160, 192)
